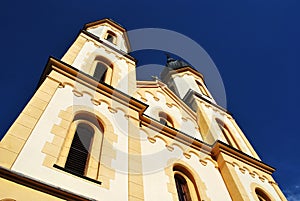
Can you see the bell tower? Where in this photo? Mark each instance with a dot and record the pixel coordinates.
(182, 77)
(216, 126)
(71, 140)
(101, 51)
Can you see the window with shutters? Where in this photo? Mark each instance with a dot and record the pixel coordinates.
(261, 195)
(80, 149)
(202, 89)
(182, 188)
(227, 134)
(111, 37)
(185, 185)
(83, 146)
(101, 69)
(165, 119)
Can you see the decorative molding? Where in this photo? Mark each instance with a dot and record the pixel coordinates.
(242, 170)
(170, 148)
(262, 179)
(151, 139)
(77, 93)
(252, 174)
(187, 155)
(169, 105)
(203, 162)
(112, 110)
(127, 116)
(95, 101)
(156, 98)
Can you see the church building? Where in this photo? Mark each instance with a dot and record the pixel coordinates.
(92, 131)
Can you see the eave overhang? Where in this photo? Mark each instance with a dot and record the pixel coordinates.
(191, 94)
(69, 71)
(180, 70)
(112, 23)
(94, 37)
(219, 148)
(35, 184)
(169, 92)
(216, 149)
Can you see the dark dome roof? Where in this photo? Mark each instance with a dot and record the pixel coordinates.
(173, 64)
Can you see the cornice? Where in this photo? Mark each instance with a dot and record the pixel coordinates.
(173, 133)
(192, 93)
(96, 38)
(221, 148)
(169, 92)
(112, 23)
(184, 69)
(85, 79)
(40, 186)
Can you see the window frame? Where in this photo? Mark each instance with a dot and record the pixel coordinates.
(95, 153)
(190, 182)
(227, 134)
(165, 119)
(113, 35)
(182, 187)
(73, 149)
(262, 195)
(102, 77)
(203, 89)
(108, 75)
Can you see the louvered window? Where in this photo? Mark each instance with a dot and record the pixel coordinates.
(202, 89)
(111, 37)
(100, 71)
(227, 134)
(261, 195)
(79, 151)
(165, 119)
(182, 188)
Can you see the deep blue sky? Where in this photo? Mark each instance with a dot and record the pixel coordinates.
(255, 45)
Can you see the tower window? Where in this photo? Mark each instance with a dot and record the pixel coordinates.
(100, 71)
(227, 134)
(165, 119)
(202, 89)
(261, 195)
(111, 37)
(79, 151)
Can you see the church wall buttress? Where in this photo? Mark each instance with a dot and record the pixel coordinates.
(18, 134)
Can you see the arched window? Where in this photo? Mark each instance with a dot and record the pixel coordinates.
(165, 119)
(185, 185)
(182, 188)
(80, 149)
(84, 142)
(227, 134)
(111, 37)
(261, 195)
(202, 88)
(101, 69)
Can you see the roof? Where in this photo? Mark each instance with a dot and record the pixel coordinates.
(173, 64)
(107, 20)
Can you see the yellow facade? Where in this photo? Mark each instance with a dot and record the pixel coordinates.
(196, 152)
